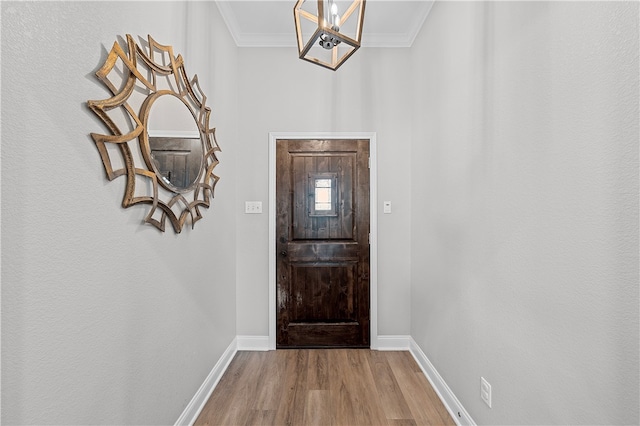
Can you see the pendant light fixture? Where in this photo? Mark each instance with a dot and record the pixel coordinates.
(328, 31)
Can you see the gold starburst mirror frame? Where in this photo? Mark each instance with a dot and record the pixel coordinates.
(160, 138)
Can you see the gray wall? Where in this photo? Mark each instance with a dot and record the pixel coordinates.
(507, 142)
(524, 262)
(280, 93)
(105, 320)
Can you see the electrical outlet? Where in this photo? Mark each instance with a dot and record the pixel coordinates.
(253, 207)
(485, 391)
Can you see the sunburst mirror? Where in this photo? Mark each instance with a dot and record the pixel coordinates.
(159, 136)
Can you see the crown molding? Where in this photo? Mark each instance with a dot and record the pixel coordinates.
(402, 39)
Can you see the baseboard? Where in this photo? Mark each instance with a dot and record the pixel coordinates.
(446, 395)
(195, 406)
(394, 343)
(385, 343)
(253, 343)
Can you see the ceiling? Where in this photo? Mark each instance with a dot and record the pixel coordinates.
(269, 23)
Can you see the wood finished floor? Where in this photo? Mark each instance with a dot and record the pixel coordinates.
(324, 387)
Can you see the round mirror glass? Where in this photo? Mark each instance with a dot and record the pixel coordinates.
(177, 151)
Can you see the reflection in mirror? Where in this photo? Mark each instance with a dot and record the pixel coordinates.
(177, 161)
(177, 156)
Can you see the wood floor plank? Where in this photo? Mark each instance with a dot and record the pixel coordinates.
(323, 387)
(294, 387)
(260, 417)
(435, 399)
(391, 397)
(426, 386)
(402, 422)
(318, 410)
(270, 381)
(357, 385)
(426, 407)
(318, 372)
(232, 392)
(343, 405)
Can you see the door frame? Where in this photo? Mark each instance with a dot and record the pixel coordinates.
(373, 224)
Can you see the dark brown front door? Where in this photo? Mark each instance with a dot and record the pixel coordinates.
(322, 230)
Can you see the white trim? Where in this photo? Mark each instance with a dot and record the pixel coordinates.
(419, 23)
(394, 343)
(373, 239)
(272, 239)
(229, 19)
(446, 395)
(399, 39)
(386, 40)
(373, 223)
(195, 406)
(253, 343)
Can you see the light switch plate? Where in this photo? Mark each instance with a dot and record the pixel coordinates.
(253, 207)
(386, 207)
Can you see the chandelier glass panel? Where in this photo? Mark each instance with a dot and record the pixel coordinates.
(328, 31)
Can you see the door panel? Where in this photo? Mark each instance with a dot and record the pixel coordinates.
(317, 288)
(322, 226)
(309, 223)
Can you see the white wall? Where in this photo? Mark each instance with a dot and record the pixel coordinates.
(104, 319)
(281, 93)
(525, 208)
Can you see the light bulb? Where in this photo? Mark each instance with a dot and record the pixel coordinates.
(335, 19)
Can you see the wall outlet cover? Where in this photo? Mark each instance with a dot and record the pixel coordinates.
(485, 391)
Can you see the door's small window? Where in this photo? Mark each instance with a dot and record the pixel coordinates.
(323, 194)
